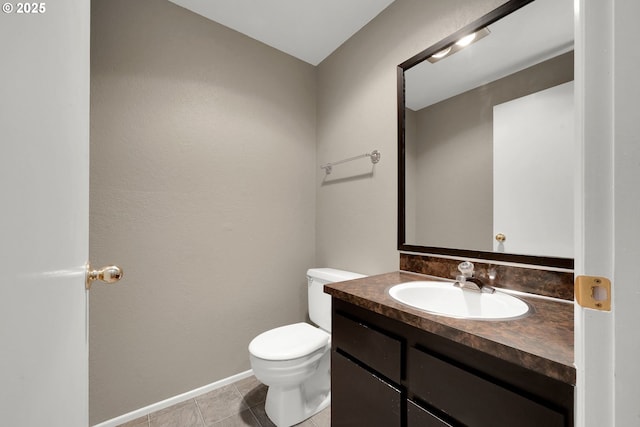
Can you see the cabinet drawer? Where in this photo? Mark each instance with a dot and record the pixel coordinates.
(359, 398)
(420, 417)
(375, 349)
(473, 400)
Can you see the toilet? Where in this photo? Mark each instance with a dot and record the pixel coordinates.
(294, 360)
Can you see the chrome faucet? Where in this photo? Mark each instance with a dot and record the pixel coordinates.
(473, 284)
(465, 280)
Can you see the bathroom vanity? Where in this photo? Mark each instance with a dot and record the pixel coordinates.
(393, 365)
(396, 365)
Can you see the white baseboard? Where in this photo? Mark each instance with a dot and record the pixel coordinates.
(173, 400)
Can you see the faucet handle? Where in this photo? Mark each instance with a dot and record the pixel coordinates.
(466, 268)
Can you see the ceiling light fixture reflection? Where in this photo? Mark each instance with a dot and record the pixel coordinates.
(460, 44)
(442, 53)
(466, 40)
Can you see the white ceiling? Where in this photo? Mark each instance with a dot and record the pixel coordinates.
(312, 29)
(307, 29)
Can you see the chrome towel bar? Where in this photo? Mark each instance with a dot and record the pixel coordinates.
(375, 158)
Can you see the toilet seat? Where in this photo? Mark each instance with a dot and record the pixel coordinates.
(288, 342)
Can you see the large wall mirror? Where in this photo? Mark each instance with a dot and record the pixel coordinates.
(486, 139)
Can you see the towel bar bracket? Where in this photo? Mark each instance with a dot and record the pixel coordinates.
(375, 156)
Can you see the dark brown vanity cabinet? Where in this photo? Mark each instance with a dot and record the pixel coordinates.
(368, 399)
(386, 373)
(366, 372)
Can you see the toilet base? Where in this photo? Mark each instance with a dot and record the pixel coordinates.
(293, 402)
(286, 408)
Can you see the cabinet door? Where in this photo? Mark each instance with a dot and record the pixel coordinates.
(420, 417)
(474, 400)
(359, 398)
(381, 352)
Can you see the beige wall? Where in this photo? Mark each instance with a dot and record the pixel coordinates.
(202, 188)
(206, 187)
(357, 110)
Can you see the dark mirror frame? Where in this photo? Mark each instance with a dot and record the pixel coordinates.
(491, 17)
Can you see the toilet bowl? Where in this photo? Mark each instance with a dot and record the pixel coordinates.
(294, 360)
(296, 371)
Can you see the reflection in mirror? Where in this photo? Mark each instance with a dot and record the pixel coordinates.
(486, 137)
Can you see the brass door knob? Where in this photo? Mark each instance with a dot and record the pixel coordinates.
(501, 237)
(109, 274)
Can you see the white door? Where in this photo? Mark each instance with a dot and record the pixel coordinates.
(533, 157)
(44, 165)
(608, 201)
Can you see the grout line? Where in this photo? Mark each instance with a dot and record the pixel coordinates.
(199, 412)
(255, 416)
(243, 398)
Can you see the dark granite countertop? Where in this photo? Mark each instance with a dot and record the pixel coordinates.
(541, 341)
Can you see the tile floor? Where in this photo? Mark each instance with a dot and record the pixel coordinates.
(240, 404)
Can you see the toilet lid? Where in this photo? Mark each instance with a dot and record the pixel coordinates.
(288, 342)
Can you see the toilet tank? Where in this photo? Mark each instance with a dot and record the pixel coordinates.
(319, 302)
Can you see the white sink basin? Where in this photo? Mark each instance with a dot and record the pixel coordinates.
(442, 298)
